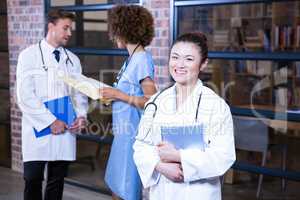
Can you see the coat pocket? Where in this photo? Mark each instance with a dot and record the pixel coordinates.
(41, 80)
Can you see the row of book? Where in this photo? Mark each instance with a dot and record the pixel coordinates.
(283, 38)
(287, 97)
(286, 37)
(254, 67)
(263, 67)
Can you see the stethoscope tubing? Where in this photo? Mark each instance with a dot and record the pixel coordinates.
(152, 103)
(43, 60)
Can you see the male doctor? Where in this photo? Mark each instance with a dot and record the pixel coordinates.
(38, 82)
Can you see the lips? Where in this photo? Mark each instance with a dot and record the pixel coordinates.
(180, 71)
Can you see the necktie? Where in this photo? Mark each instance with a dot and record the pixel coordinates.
(56, 54)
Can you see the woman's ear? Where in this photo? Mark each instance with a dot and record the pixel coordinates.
(203, 65)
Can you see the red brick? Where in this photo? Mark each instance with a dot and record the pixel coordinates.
(25, 26)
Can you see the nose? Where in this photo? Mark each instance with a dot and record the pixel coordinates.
(69, 32)
(180, 63)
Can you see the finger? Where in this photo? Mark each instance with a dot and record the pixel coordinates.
(161, 143)
(74, 123)
(82, 127)
(160, 151)
(180, 167)
(171, 145)
(181, 173)
(82, 122)
(181, 179)
(74, 129)
(65, 125)
(62, 129)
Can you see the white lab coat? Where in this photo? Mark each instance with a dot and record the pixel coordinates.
(201, 169)
(36, 85)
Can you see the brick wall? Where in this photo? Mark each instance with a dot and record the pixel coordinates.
(160, 45)
(25, 27)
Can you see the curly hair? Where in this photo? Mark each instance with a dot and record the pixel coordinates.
(131, 23)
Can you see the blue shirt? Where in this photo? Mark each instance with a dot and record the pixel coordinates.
(125, 116)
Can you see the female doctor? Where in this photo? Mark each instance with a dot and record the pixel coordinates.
(190, 173)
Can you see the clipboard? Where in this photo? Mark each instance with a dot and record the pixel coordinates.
(184, 137)
(62, 108)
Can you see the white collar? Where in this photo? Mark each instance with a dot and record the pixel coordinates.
(196, 91)
(48, 48)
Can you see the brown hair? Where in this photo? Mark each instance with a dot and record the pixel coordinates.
(131, 23)
(56, 14)
(197, 38)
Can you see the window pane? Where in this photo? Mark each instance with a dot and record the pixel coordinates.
(103, 68)
(2, 6)
(4, 87)
(268, 83)
(87, 2)
(3, 33)
(245, 27)
(4, 65)
(90, 30)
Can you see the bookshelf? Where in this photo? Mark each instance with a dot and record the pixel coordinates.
(250, 43)
(254, 52)
(265, 27)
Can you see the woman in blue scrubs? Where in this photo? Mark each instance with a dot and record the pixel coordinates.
(131, 27)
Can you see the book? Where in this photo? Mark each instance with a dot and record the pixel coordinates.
(264, 67)
(296, 111)
(62, 108)
(184, 137)
(88, 86)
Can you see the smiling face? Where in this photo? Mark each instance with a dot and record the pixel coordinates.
(185, 63)
(60, 31)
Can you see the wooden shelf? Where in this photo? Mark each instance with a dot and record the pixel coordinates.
(250, 75)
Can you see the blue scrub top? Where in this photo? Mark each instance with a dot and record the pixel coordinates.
(121, 174)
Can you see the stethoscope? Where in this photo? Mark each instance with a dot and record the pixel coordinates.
(123, 69)
(68, 60)
(153, 104)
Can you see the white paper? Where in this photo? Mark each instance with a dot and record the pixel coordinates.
(88, 86)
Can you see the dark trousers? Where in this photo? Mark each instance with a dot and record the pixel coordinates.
(34, 176)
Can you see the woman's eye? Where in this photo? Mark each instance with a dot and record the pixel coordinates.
(174, 57)
(189, 59)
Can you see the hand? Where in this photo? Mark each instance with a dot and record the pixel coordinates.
(78, 125)
(168, 153)
(109, 94)
(58, 127)
(171, 171)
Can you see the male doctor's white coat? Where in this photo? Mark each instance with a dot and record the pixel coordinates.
(201, 168)
(37, 84)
